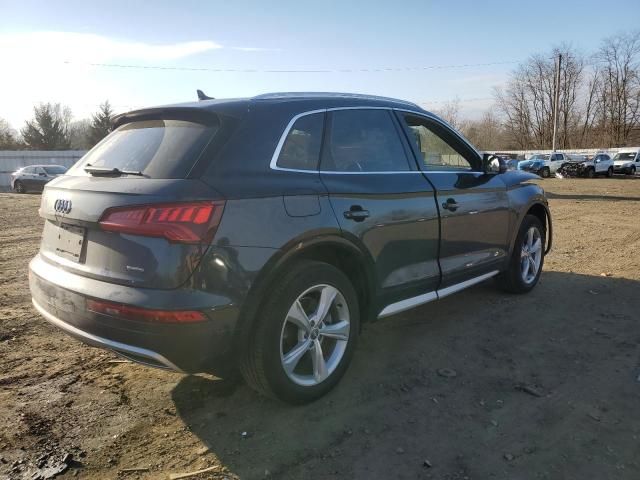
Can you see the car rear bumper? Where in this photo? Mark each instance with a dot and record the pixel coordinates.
(61, 297)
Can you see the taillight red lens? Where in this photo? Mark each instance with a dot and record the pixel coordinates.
(193, 222)
(127, 312)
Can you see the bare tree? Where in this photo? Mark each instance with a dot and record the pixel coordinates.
(450, 112)
(486, 133)
(527, 100)
(618, 66)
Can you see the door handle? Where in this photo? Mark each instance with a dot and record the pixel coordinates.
(450, 205)
(356, 213)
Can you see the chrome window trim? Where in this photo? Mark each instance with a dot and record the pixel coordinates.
(273, 165)
(412, 302)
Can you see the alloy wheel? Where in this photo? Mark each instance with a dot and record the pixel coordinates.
(531, 255)
(314, 335)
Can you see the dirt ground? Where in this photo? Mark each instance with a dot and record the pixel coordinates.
(546, 385)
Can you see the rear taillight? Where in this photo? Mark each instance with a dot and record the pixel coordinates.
(193, 222)
(127, 312)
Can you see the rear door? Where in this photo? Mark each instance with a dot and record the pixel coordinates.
(382, 202)
(474, 210)
(40, 178)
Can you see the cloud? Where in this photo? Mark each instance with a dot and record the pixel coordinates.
(52, 66)
(55, 67)
(86, 47)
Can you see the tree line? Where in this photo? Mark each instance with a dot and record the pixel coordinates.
(52, 128)
(599, 101)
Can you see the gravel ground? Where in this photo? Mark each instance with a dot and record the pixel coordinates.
(480, 385)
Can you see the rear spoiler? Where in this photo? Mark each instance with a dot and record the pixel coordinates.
(193, 114)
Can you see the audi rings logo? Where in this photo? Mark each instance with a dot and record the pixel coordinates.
(62, 206)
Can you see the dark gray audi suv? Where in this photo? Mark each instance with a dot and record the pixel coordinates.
(260, 234)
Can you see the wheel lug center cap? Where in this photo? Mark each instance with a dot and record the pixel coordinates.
(314, 333)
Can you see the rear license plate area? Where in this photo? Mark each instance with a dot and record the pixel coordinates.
(69, 242)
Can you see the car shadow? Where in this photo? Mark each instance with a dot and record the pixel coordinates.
(444, 382)
(570, 196)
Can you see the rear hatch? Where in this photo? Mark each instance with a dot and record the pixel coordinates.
(131, 210)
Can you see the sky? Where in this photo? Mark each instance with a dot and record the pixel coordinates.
(50, 50)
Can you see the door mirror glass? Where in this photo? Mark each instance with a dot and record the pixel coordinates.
(493, 164)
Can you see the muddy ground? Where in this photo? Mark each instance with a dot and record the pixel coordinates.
(546, 384)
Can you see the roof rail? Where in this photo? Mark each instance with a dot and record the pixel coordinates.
(277, 95)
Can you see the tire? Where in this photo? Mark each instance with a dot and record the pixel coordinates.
(591, 173)
(18, 187)
(610, 172)
(545, 173)
(632, 170)
(276, 337)
(514, 280)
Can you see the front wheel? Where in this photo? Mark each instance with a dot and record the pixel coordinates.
(19, 187)
(632, 171)
(525, 265)
(610, 172)
(545, 173)
(305, 335)
(591, 173)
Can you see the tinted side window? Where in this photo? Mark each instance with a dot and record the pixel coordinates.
(28, 170)
(436, 152)
(301, 148)
(363, 140)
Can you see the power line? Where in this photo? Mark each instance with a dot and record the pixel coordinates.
(253, 70)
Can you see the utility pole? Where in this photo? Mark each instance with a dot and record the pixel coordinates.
(556, 101)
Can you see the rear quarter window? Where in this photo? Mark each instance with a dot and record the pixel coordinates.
(157, 148)
(301, 148)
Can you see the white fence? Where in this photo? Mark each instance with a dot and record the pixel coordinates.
(12, 160)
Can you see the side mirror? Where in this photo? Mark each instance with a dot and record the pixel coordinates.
(493, 164)
(42, 174)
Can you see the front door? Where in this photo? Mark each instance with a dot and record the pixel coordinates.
(474, 210)
(381, 200)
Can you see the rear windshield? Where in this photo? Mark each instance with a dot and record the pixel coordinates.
(157, 148)
(55, 170)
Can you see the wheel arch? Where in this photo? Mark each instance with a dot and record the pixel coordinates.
(539, 209)
(332, 249)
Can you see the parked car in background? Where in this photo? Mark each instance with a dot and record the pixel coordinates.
(627, 162)
(262, 232)
(537, 166)
(599, 164)
(34, 177)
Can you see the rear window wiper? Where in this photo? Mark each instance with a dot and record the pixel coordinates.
(110, 172)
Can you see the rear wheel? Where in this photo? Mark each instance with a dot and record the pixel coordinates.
(610, 172)
(304, 338)
(525, 265)
(18, 186)
(545, 173)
